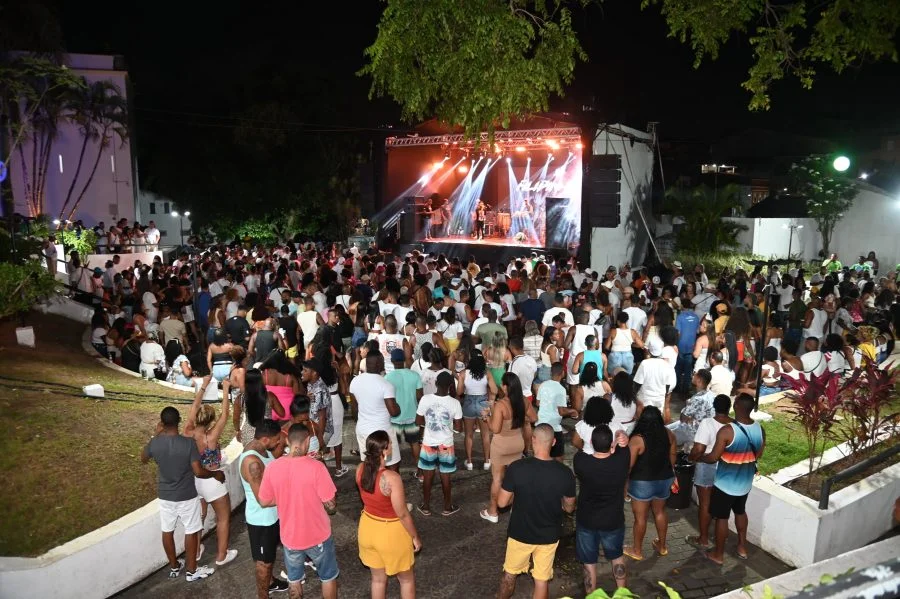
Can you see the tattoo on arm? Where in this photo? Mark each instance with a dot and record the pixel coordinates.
(255, 473)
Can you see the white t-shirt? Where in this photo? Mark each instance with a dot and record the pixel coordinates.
(670, 354)
(370, 391)
(721, 380)
(429, 380)
(510, 302)
(785, 297)
(706, 433)
(152, 235)
(449, 331)
(654, 375)
(524, 367)
(549, 314)
(439, 412)
(150, 311)
(637, 319)
(388, 342)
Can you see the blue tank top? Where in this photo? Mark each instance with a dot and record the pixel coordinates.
(253, 512)
(737, 466)
(592, 355)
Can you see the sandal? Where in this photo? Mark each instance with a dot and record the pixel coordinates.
(423, 509)
(694, 541)
(662, 551)
(629, 551)
(354, 452)
(451, 510)
(709, 557)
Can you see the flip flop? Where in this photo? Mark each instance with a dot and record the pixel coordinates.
(742, 556)
(656, 545)
(707, 556)
(694, 541)
(629, 551)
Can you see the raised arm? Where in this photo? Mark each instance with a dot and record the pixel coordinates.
(219, 427)
(191, 422)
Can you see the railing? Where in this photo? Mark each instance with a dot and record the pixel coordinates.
(852, 471)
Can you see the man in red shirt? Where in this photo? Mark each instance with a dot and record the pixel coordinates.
(302, 490)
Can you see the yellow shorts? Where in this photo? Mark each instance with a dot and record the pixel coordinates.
(452, 344)
(384, 545)
(519, 554)
(293, 352)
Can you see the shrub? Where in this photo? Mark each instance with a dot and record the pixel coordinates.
(83, 241)
(713, 263)
(868, 405)
(22, 285)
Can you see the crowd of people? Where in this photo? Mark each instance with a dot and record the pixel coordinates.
(418, 349)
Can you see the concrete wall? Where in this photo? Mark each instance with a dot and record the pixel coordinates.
(792, 527)
(153, 207)
(628, 241)
(109, 559)
(111, 193)
(869, 225)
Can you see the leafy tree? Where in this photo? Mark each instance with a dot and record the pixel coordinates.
(33, 92)
(475, 63)
(22, 285)
(702, 209)
(101, 114)
(478, 62)
(828, 194)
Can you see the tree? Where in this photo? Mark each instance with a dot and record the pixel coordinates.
(703, 209)
(476, 63)
(22, 285)
(101, 114)
(828, 194)
(479, 62)
(33, 92)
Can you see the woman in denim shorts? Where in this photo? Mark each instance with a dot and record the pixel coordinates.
(653, 449)
(476, 386)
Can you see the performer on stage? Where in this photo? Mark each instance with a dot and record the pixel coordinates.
(446, 213)
(427, 213)
(479, 219)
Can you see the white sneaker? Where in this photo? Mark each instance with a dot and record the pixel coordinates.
(200, 573)
(487, 465)
(469, 465)
(492, 519)
(229, 557)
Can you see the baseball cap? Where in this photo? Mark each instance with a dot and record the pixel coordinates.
(397, 355)
(489, 280)
(655, 346)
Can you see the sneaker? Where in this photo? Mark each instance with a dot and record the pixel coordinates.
(339, 472)
(229, 557)
(176, 572)
(200, 573)
(469, 465)
(492, 519)
(487, 465)
(309, 564)
(278, 586)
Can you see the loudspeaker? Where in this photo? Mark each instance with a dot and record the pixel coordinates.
(601, 191)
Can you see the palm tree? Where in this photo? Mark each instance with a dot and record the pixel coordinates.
(101, 114)
(702, 209)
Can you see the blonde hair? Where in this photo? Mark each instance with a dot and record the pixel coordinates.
(206, 416)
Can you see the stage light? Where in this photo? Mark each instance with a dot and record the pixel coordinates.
(436, 165)
(864, 176)
(553, 144)
(463, 169)
(508, 159)
(579, 145)
(520, 148)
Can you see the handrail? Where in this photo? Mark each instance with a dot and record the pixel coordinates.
(852, 471)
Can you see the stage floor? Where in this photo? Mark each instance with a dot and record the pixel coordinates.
(494, 241)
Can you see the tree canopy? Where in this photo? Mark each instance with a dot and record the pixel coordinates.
(828, 194)
(702, 209)
(479, 62)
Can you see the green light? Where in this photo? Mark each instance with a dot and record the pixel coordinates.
(841, 164)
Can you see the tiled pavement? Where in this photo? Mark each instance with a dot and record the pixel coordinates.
(463, 555)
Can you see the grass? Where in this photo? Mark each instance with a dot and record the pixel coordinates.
(785, 444)
(70, 464)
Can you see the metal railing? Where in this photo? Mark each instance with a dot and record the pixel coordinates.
(852, 471)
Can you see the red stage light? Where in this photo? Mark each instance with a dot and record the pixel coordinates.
(520, 148)
(463, 169)
(579, 145)
(437, 165)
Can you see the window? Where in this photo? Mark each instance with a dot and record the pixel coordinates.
(152, 207)
(165, 207)
(162, 233)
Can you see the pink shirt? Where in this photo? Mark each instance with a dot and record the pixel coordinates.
(299, 486)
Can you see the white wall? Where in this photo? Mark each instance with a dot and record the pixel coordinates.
(627, 242)
(109, 559)
(166, 223)
(869, 225)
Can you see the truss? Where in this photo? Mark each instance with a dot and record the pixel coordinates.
(561, 134)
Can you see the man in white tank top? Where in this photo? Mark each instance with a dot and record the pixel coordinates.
(575, 342)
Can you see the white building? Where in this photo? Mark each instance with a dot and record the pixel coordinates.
(112, 192)
(163, 211)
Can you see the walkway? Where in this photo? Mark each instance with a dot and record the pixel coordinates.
(463, 555)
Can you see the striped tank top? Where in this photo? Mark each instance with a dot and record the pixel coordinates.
(737, 466)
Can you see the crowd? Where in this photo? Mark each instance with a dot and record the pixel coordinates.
(418, 349)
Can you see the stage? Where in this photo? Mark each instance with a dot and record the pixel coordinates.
(491, 250)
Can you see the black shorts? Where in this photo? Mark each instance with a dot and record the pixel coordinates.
(721, 505)
(264, 540)
(559, 448)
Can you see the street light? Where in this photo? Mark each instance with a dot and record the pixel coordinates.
(792, 227)
(180, 217)
(841, 164)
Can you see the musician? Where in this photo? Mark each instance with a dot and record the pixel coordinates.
(528, 206)
(446, 213)
(480, 216)
(426, 214)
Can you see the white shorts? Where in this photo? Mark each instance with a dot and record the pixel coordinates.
(187, 313)
(210, 489)
(395, 447)
(188, 511)
(337, 414)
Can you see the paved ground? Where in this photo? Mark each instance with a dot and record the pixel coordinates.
(463, 555)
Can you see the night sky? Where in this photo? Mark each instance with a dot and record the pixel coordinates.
(191, 65)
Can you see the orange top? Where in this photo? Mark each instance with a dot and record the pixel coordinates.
(376, 503)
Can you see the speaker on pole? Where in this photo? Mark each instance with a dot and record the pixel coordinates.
(602, 191)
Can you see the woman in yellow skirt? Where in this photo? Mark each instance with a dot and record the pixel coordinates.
(387, 534)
